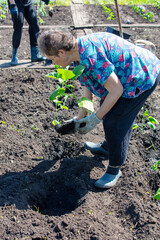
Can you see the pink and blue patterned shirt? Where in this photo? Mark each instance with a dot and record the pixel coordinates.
(102, 53)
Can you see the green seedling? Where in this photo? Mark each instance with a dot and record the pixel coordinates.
(40, 10)
(156, 3)
(37, 209)
(40, 20)
(151, 146)
(157, 195)
(108, 11)
(90, 212)
(156, 167)
(141, 11)
(151, 121)
(34, 128)
(86, 1)
(3, 123)
(3, 9)
(60, 96)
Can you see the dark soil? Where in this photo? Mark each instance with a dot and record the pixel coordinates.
(46, 179)
(60, 15)
(63, 16)
(98, 16)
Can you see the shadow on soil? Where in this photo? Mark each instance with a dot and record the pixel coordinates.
(48, 189)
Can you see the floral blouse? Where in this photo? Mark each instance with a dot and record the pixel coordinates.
(102, 53)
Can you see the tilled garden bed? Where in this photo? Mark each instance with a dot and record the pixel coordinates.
(47, 179)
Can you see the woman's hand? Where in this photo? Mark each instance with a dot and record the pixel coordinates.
(86, 124)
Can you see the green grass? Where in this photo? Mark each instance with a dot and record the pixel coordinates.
(65, 2)
(61, 2)
(125, 2)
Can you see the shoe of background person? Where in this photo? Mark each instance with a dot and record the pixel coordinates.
(96, 148)
(108, 180)
(14, 60)
(35, 55)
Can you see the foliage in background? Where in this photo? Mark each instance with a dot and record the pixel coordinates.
(3, 9)
(41, 12)
(156, 3)
(108, 11)
(126, 2)
(141, 11)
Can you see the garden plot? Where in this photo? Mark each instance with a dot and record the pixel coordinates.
(46, 180)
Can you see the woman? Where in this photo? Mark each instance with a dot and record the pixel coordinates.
(122, 74)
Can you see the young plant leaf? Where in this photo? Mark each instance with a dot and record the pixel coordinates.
(145, 113)
(54, 75)
(70, 86)
(157, 195)
(135, 126)
(57, 66)
(86, 103)
(78, 70)
(65, 74)
(3, 122)
(151, 125)
(156, 166)
(153, 120)
(55, 122)
(56, 93)
(64, 107)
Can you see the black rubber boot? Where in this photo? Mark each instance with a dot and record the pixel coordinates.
(35, 55)
(14, 60)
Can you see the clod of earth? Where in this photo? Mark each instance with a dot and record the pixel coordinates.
(67, 127)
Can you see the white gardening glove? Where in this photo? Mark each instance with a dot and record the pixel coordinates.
(86, 124)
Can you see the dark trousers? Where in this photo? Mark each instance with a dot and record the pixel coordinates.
(118, 124)
(29, 14)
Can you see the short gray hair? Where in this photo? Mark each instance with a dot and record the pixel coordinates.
(50, 42)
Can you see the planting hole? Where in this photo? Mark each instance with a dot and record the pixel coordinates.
(57, 201)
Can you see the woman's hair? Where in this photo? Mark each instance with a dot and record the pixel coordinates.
(50, 42)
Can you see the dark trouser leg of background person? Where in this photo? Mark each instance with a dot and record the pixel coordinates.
(17, 35)
(30, 16)
(118, 128)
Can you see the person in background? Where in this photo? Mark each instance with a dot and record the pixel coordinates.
(121, 74)
(21, 9)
